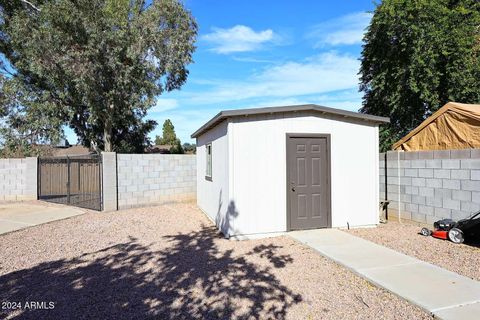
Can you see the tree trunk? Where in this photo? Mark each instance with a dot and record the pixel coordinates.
(107, 136)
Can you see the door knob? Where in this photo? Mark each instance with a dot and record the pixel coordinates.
(293, 186)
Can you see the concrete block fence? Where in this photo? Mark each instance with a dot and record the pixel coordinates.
(128, 180)
(425, 186)
(149, 179)
(18, 179)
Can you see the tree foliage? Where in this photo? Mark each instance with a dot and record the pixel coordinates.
(169, 137)
(417, 56)
(98, 65)
(189, 147)
(26, 121)
(177, 148)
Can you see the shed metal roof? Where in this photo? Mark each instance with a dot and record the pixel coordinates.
(222, 115)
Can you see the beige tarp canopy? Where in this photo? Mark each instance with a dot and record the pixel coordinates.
(454, 126)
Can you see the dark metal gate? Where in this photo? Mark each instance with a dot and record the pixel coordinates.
(75, 180)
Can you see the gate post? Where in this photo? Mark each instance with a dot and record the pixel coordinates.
(109, 181)
(68, 180)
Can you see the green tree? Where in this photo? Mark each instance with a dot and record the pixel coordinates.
(98, 65)
(417, 56)
(177, 148)
(169, 137)
(189, 147)
(24, 122)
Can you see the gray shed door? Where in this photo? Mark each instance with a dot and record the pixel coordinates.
(308, 187)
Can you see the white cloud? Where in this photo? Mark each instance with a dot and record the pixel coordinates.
(164, 104)
(346, 30)
(254, 60)
(320, 74)
(264, 103)
(346, 99)
(328, 79)
(239, 38)
(349, 99)
(186, 121)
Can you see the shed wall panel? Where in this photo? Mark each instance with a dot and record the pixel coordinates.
(213, 196)
(259, 170)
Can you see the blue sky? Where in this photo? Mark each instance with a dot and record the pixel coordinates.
(267, 53)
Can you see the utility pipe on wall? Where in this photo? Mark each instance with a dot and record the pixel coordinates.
(385, 206)
(399, 183)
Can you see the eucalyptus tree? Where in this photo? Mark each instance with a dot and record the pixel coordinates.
(98, 65)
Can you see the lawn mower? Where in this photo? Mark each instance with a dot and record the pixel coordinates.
(456, 231)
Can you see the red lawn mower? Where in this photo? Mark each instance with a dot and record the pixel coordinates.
(456, 231)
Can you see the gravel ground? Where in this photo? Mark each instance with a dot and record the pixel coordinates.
(463, 259)
(169, 262)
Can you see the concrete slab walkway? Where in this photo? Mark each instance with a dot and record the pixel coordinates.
(445, 294)
(16, 216)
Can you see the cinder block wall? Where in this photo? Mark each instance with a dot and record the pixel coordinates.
(425, 186)
(148, 179)
(18, 179)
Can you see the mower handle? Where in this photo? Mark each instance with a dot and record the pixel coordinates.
(476, 214)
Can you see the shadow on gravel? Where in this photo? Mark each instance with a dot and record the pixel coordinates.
(473, 243)
(192, 278)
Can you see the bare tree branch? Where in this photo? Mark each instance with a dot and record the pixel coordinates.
(31, 5)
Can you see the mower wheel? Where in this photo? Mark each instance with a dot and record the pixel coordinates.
(456, 235)
(425, 232)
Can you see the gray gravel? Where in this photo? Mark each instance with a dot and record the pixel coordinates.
(169, 262)
(460, 258)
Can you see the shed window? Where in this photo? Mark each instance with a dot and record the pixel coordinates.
(208, 172)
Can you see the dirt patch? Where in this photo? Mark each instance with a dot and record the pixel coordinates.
(169, 262)
(460, 258)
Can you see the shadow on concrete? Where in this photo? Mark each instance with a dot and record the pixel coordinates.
(191, 278)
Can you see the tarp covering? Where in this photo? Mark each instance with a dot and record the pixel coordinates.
(454, 126)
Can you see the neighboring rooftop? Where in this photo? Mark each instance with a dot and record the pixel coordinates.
(159, 148)
(71, 150)
(271, 110)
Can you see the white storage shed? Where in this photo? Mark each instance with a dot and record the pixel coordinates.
(266, 171)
